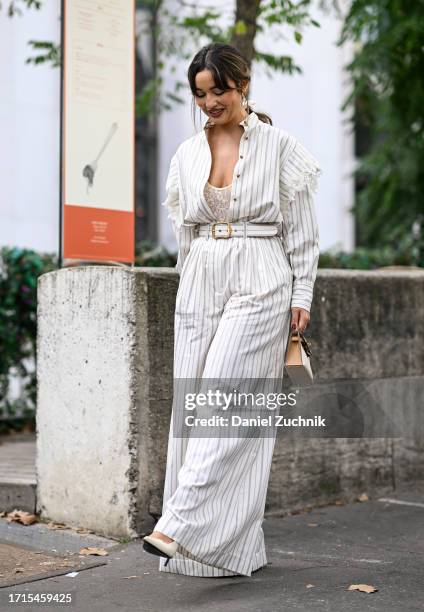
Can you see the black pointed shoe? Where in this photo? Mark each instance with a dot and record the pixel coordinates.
(158, 547)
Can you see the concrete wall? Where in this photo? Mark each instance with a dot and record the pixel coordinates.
(105, 352)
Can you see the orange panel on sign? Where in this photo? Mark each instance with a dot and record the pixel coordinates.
(98, 233)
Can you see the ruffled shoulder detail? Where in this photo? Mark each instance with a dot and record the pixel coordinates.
(298, 171)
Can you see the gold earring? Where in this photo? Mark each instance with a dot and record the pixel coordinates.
(243, 101)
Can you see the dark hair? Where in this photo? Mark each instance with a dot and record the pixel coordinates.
(224, 61)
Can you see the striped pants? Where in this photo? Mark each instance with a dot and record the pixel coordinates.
(232, 320)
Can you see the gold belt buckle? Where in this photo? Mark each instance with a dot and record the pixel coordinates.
(229, 229)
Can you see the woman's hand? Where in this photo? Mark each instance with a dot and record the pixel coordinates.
(300, 318)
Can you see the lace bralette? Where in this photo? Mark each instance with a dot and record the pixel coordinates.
(218, 199)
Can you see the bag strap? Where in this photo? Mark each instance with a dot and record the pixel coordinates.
(306, 345)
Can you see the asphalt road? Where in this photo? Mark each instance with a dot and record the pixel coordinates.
(313, 558)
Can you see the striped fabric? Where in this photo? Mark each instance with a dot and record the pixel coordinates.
(274, 181)
(232, 320)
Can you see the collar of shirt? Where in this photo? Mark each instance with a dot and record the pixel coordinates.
(248, 123)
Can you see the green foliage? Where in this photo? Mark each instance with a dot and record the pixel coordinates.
(368, 259)
(19, 270)
(409, 252)
(282, 63)
(388, 93)
(145, 102)
(148, 254)
(14, 6)
(52, 53)
(178, 35)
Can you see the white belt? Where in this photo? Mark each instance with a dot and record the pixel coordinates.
(224, 229)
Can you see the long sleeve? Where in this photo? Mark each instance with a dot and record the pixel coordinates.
(300, 233)
(184, 232)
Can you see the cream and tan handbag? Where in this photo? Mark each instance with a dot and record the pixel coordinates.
(297, 359)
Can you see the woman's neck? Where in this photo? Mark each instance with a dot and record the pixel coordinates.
(230, 127)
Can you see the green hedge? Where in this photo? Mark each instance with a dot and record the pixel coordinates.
(369, 259)
(20, 268)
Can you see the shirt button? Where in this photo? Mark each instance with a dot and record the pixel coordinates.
(246, 137)
(235, 199)
(241, 156)
(238, 175)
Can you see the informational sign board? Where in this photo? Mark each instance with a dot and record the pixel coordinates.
(98, 130)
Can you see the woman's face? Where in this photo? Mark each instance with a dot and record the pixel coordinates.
(210, 98)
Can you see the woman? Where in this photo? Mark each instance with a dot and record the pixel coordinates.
(244, 179)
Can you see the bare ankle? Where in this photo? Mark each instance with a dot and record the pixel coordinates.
(161, 536)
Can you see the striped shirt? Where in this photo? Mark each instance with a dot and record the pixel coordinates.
(273, 181)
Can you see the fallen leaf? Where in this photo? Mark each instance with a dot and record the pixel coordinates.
(309, 586)
(127, 577)
(365, 588)
(363, 497)
(20, 516)
(340, 502)
(92, 550)
(54, 525)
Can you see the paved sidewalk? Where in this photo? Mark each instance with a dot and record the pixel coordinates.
(18, 483)
(17, 458)
(379, 543)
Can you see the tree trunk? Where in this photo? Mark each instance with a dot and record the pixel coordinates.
(247, 12)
